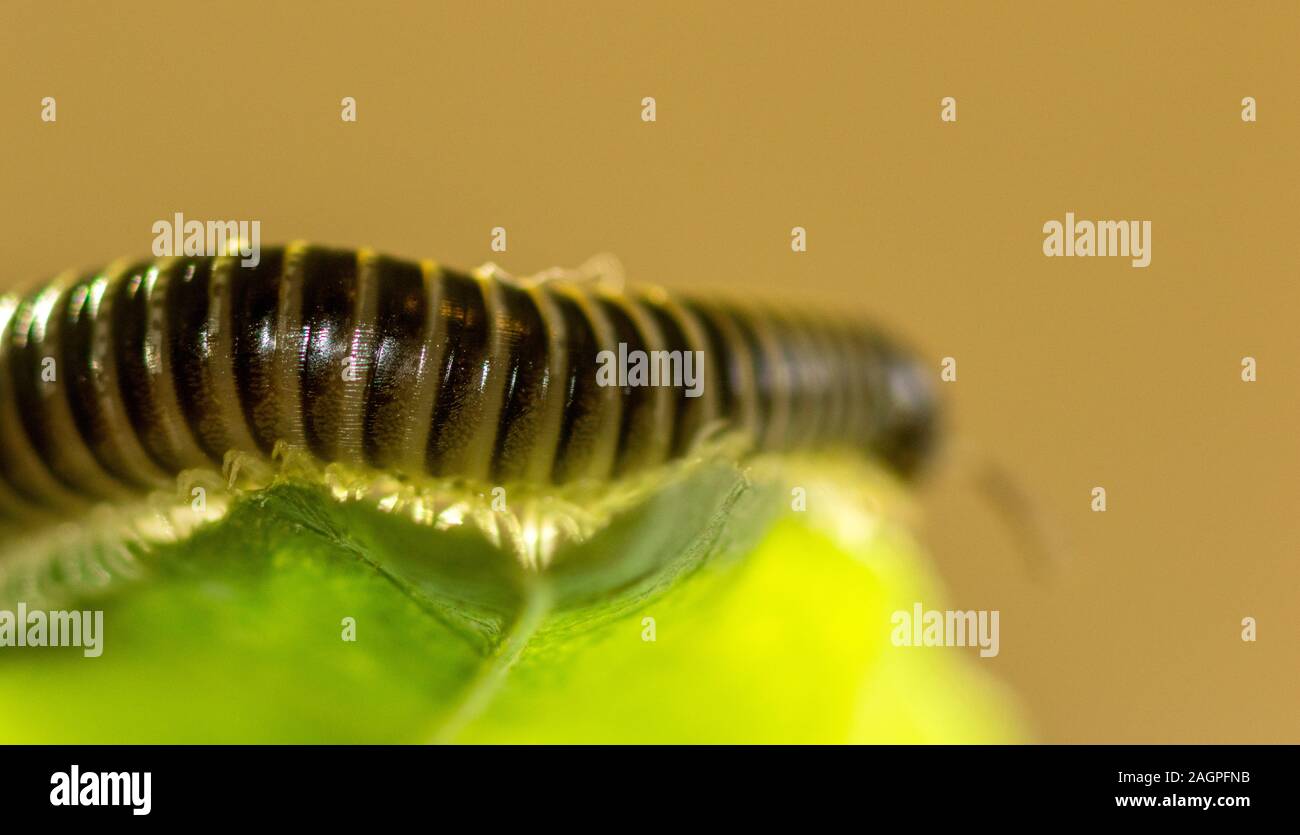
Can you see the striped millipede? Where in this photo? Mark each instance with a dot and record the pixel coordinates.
(115, 380)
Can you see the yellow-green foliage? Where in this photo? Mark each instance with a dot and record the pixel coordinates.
(768, 626)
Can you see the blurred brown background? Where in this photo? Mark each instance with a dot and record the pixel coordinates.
(1072, 373)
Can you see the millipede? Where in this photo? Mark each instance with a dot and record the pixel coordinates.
(113, 381)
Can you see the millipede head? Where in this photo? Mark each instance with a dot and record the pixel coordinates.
(909, 419)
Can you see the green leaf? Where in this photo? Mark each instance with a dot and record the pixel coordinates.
(767, 626)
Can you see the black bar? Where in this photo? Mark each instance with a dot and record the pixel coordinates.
(332, 784)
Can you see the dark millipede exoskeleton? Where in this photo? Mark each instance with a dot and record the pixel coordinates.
(113, 381)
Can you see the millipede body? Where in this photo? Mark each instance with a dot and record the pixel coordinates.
(112, 381)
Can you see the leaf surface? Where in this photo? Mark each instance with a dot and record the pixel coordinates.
(702, 614)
